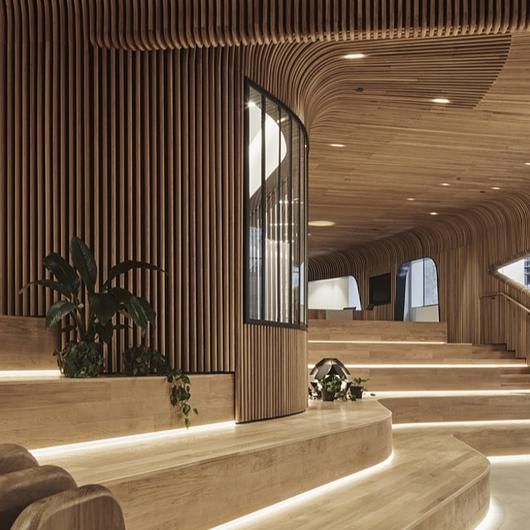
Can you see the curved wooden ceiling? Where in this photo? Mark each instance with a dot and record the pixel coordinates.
(398, 144)
(163, 24)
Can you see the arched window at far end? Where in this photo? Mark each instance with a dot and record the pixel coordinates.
(417, 291)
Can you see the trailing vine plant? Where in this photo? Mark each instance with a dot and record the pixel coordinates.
(180, 394)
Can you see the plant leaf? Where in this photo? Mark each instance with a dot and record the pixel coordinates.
(58, 311)
(50, 284)
(148, 309)
(63, 271)
(104, 306)
(129, 265)
(123, 296)
(84, 262)
(136, 313)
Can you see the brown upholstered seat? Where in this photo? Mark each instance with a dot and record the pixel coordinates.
(21, 488)
(86, 508)
(15, 458)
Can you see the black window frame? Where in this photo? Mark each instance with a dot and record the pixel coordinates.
(304, 216)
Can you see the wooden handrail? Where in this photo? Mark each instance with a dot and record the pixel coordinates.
(509, 298)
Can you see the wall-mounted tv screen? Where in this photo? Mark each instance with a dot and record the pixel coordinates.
(380, 289)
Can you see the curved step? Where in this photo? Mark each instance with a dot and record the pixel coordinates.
(432, 483)
(452, 408)
(202, 479)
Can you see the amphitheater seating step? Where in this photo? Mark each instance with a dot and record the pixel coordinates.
(235, 469)
(401, 495)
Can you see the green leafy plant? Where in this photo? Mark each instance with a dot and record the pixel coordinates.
(180, 394)
(331, 386)
(141, 361)
(91, 311)
(357, 388)
(80, 359)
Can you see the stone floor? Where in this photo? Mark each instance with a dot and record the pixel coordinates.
(510, 489)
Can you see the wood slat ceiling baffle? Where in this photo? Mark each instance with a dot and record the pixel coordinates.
(159, 24)
(398, 144)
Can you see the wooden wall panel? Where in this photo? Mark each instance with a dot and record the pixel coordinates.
(141, 155)
(465, 247)
(137, 153)
(158, 24)
(271, 378)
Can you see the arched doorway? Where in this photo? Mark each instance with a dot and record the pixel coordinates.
(417, 292)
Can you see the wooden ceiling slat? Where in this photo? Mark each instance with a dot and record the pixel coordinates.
(195, 24)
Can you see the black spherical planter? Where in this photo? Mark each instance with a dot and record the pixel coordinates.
(356, 392)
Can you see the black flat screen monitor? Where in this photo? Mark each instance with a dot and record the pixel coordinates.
(380, 290)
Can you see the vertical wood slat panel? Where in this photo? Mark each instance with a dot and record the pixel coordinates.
(136, 153)
(141, 155)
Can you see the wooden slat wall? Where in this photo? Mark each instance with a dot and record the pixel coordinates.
(159, 24)
(141, 155)
(272, 373)
(464, 247)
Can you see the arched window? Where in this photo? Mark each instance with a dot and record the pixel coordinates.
(417, 291)
(518, 271)
(275, 212)
(334, 293)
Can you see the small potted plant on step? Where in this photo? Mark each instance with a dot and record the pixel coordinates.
(331, 386)
(357, 388)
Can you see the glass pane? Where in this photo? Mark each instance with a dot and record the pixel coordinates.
(431, 282)
(286, 228)
(275, 213)
(274, 149)
(254, 209)
(295, 255)
(303, 228)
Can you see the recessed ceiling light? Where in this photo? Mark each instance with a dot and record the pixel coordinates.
(411, 199)
(309, 234)
(337, 145)
(496, 188)
(445, 184)
(527, 163)
(356, 55)
(442, 101)
(433, 213)
(321, 223)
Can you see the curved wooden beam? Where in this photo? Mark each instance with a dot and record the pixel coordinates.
(159, 24)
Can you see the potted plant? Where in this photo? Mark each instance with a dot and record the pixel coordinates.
(357, 388)
(90, 312)
(331, 385)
